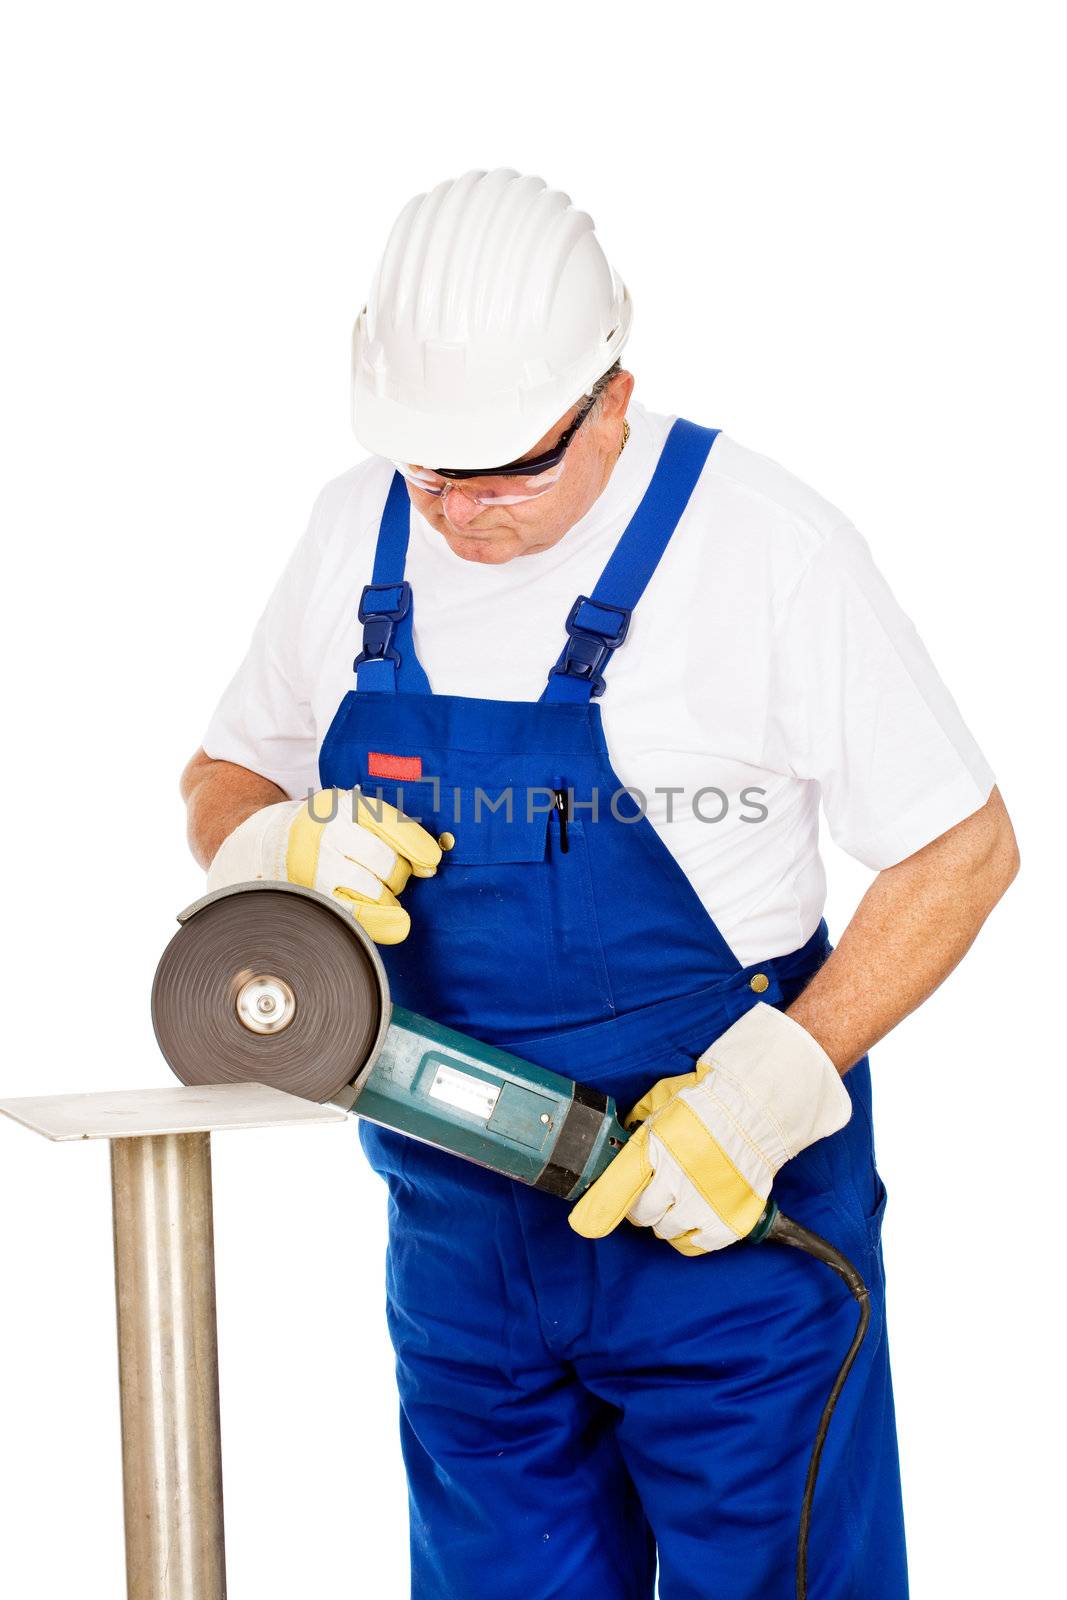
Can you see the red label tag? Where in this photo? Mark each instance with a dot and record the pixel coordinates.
(402, 767)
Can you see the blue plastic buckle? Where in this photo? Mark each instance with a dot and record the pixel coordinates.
(380, 621)
(588, 650)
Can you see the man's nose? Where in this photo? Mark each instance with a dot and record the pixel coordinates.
(459, 508)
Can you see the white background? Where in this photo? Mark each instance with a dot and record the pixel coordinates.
(841, 226)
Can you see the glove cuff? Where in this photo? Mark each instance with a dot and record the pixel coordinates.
(779, 1066)
(255, 849)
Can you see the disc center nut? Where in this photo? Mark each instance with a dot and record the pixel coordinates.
(265, 1004)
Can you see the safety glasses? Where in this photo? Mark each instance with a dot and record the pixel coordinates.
(511, 485)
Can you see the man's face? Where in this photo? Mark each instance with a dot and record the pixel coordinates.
(496, 533)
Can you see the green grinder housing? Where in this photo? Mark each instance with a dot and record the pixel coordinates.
(268, 983)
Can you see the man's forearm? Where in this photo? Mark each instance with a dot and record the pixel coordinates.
(916, 921)
(219, 796)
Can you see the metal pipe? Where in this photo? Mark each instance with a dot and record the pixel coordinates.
(168, 1367)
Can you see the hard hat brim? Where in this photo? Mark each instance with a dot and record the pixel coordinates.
(500, 430)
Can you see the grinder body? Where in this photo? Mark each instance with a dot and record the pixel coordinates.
(269, 983)
(489, 1106)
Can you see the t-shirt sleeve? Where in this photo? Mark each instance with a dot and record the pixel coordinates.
(865, 714)
(264, 720)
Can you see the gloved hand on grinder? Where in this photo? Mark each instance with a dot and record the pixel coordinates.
(699, 1169)
(362, 852)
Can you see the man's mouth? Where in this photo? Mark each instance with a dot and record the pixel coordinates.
(471, 533)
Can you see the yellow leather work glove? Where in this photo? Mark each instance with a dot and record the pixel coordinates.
(699, 1169)
(360, 851)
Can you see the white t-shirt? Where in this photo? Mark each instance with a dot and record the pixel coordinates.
(767, 660)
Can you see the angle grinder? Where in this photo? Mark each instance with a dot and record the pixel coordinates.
(267, 982)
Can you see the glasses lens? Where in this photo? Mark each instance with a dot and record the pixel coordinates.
(421, 478)
(512, 491)
(490, 491)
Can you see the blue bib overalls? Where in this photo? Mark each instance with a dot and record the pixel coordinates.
(570, 1409)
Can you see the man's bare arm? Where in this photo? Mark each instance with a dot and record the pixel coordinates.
(219, 796)
(914, 924)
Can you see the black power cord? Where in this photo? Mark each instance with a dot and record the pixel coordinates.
(786, 1231)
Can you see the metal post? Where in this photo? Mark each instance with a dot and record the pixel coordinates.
(165, 1286)
(168, 1367)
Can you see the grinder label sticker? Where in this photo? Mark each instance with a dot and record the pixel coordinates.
(473, 1095)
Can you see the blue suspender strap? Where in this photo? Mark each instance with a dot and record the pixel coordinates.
(387, 662)
(598, 623)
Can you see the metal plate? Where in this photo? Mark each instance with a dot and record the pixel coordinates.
(147, 1113)
(259, 930)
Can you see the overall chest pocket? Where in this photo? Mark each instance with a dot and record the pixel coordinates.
(500, 816)
(506, 937)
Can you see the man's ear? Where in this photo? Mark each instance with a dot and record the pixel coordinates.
(616, 397)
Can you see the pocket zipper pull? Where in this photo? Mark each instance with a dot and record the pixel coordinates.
(562, 810)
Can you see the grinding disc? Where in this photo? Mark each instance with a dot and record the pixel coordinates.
(266, 984)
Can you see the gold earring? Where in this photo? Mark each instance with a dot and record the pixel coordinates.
(625, 437)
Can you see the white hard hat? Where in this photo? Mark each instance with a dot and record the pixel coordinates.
(492, 312)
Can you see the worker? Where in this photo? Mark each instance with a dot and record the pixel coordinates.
(549, 698)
